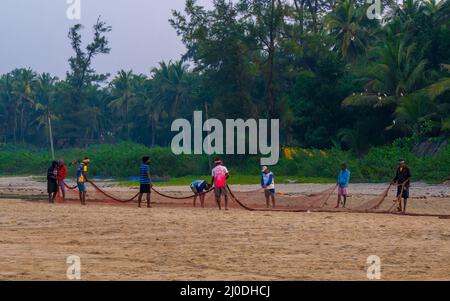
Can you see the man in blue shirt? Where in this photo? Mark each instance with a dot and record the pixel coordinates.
(198, 188)
(145, 181)
(343, 182)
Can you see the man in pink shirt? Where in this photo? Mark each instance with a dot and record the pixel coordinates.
(219, 178)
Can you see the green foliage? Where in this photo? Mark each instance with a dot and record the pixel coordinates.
(331, 76)
(311, 166)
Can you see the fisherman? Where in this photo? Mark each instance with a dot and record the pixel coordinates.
(82, 170)
(268, 184)
(62, 174)
(198, 188)
(52, 182)
(220, 175)
(403, 181)
(145, 181)
(343, 182)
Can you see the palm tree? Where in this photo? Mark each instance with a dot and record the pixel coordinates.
(345, 23)
(23, 81)
(124, 94)
(402, 81)
(401, 71)
(7, 101)
(171, 85)
(45, 89)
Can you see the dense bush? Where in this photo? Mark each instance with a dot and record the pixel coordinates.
(123, 159)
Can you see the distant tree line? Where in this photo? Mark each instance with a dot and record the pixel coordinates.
(332, 76)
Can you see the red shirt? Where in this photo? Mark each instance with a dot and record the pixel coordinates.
(62, 173)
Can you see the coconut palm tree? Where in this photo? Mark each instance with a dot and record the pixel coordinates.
(123, 93)
(345, 23)
(23, 82)
(171, 85)
(44, 96)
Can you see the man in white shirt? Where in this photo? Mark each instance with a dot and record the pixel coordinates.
(268, 184)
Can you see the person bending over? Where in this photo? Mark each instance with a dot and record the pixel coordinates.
(198, 188)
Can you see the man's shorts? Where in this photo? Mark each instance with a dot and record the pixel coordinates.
(81, 187)
(52, 187)
(405, 193)
(269, 191)
(220, 191)
(343, 191)
(62, 185)
(145, 188)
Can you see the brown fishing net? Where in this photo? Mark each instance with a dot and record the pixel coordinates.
(255, 200)
(375, 203)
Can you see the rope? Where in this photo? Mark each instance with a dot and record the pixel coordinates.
(111, 196)
(181, 198)
(70, 187)
(237, 201)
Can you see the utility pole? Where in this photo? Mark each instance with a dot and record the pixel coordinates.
(50, 135)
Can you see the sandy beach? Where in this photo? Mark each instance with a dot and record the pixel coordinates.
(178, 242)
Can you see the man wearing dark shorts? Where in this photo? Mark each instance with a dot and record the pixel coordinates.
(145, 181)
(52, 182)
(402, 179)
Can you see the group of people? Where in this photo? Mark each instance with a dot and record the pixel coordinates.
(402, 179)
(57, 174)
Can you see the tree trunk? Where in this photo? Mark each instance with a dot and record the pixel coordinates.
(271, 51)
(50, 136)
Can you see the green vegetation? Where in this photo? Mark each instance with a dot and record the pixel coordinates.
(333, 77)
(307, 166)
(364, 90)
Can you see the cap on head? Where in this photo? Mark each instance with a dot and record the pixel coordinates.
(265, 168)
(401, 161)
(218, 161)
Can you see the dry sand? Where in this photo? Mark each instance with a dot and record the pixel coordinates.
(180, 243)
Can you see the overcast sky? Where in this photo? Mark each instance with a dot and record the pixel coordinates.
(33, 33)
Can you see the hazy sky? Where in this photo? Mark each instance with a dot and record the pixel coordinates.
(33, 33)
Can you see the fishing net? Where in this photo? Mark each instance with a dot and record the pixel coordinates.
(374, 203)
(256, 200)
